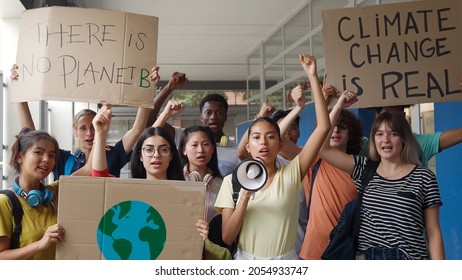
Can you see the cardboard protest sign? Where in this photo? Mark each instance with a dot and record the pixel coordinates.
(112, 218)
(395, 54)
(89, 55)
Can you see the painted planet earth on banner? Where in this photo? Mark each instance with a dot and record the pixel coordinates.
(131, 230)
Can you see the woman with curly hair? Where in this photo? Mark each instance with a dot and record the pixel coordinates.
(332, 188)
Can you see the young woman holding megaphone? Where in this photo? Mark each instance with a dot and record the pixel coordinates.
(267, 223)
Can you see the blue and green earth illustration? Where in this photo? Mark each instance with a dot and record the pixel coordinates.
(131, 230)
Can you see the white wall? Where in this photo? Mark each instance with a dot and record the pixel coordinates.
(60, 122)
(9, 29)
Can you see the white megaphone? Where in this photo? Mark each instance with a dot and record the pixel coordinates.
(250, 174)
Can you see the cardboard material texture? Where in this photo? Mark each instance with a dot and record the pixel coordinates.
(84, 201)
(395, 54)
(89, 55)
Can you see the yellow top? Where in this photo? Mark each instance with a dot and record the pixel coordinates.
(34, 222)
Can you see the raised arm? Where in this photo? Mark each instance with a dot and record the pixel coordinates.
(177, 81)
(85, 170)
(265, 111)
(315, 141)
(330, 93)
(24, 115)
(299, 97)
(142, 116)
(290, 149)
(130, 137)
(101, 123)
(450, 138)
(172, 108)
(23, 111)
(332, 155)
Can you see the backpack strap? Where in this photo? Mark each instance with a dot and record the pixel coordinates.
(17, 217)
(236, 186)
(236, 189)
(69, 164)
(368, 173)
(366, 176)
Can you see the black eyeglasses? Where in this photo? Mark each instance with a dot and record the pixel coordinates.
(149, 151)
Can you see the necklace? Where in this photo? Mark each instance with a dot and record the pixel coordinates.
(392, 175)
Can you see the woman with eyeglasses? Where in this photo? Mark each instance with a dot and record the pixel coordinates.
(154, 156)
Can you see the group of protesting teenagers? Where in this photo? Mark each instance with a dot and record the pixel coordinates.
(399, 216)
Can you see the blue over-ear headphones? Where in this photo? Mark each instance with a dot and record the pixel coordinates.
(34, 197)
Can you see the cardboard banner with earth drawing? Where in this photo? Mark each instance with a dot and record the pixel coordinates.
(88, 55)
(395, 54)
(129, 219)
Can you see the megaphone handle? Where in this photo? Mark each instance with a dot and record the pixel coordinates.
(252, 196)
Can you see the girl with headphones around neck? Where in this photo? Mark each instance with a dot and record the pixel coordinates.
(198, 154)
(33, 156)
(266, 221)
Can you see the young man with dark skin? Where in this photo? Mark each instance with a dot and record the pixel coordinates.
(214, 114)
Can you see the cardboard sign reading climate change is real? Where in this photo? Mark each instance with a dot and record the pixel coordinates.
(89, 55)
(395, 54)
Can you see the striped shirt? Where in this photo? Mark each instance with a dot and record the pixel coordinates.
(392, 212)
